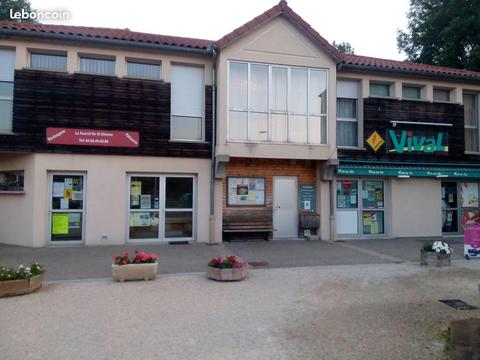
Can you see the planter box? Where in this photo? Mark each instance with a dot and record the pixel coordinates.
(433, 258)
(20, 287)
(227, 274)
(134, 271)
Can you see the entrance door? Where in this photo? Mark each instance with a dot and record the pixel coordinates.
(67, 199)
(285, 208)
(449, 207)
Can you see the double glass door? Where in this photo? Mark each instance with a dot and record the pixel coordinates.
(460, 205)
(67, 203)
(161, 207)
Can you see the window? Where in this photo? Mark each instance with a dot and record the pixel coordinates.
(11, 180)
(460, 205)
(411, 92)
(100, 66)
(187, 103)
(347, 117)
(246, 191)
(360, 207)
(470, 105)
(143, 70)
(153, 216)
(441, 95)
(270, 103)
(379, 89)
(7, 71)
(54, 62)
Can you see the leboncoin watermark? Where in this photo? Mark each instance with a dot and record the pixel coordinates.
(40, 15)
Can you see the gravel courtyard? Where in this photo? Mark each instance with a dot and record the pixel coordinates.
(376, 311)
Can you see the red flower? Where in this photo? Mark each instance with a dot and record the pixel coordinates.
(154, 256)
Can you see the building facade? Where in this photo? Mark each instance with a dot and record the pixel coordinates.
(110, 136)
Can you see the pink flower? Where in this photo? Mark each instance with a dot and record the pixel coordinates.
(154, 256)
(237, 265)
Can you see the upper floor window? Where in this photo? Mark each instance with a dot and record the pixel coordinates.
(45, 61)
(411, 92)
(188, 103)
(94, 65)
(347, 114)
(143, 70)
(7, 72)
(440, 94)
(269, 103)
(470, 105)
(379, 89)
(11, 180)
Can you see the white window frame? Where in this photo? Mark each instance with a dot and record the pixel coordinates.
(143, 62)
(9, 98)
(97, 57)
(477, 100)
(288, 113)
(375, 82)
(419, 87)
(162, 209)
(202, 124)
(48, 53)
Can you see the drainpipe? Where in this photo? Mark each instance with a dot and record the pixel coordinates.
(333, 230)
(211, 239)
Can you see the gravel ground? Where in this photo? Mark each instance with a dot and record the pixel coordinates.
(375, 311)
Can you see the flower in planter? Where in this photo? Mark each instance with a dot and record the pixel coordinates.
(21, 272)
(230, 262)
(438, 247)
(141, 257)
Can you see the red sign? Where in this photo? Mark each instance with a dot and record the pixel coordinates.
(93, 137)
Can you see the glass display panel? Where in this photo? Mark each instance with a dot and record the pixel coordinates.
(178, 224)
(246, 191)
(469, 217)
(449, 195)
(66, 226)
(469, 194)
(67, 192)
(178, 193)
(372, 194)
(11, 180)
(347, 194)
(373, 222)
(143, 225)
(144, 192)
(238, 80)
(237, 125)
(449, 221)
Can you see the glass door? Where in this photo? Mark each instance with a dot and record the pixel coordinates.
(67, 198)
(449, 207)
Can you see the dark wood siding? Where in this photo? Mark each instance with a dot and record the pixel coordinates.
(378, 114)
(46, 99)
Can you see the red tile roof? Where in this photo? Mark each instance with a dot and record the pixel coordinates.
(106, 33)
(281, 9)
(373, 63)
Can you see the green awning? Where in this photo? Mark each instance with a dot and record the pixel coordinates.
(408, 171)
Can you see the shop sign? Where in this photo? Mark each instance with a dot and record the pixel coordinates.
(92, 137)
(365, 171)
(407, 141)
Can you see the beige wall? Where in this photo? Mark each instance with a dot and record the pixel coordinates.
(26, 216)
(415, 207)
(23, 48)
(277, 42)
(16, 215)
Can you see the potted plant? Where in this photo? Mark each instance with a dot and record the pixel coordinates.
(227, 269)
(142, 266)
(22, 280)
(437, 253)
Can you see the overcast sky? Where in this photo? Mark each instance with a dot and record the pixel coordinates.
(369, 25)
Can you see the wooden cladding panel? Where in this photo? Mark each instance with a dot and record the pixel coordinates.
(46, 99)
(378, 114)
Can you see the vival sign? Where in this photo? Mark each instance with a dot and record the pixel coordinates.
(92, 137)
(407, 142)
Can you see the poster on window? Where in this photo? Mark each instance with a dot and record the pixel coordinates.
(472, 242)
(246, 191)
(469, 194)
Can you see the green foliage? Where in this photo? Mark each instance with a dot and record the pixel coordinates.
(443, 32)
(21, 272)
(428, 247)
(344, 47)
(15, 5)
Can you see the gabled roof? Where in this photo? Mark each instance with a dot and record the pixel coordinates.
(82, 32)
(375, 64)
(281, 9)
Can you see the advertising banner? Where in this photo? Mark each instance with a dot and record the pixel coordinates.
(92, 137)
(472, 241)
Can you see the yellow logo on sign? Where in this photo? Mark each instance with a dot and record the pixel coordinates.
(375, 141)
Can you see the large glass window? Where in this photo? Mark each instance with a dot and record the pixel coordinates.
(411, 92)
(153, 216)
(270, 103)
(379, 89)
(11, 180)
(347, 116)
(7, 70)
(188, 94)
(44, 61)
(99, 66)
(471, 114)
(137, 69)
(360, 207)
(246, 191)
(460, 205)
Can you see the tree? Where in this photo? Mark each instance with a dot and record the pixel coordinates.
(344, 47)
(14, 5)
(443, 32)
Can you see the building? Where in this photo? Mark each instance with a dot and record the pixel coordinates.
(227, 138)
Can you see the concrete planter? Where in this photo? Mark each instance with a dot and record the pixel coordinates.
(227, 274)
(434, 259)
(134, 271)
(20, 287)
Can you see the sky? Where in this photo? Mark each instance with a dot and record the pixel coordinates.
(370, 26)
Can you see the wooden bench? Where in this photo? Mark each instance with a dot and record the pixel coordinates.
(248, 221)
